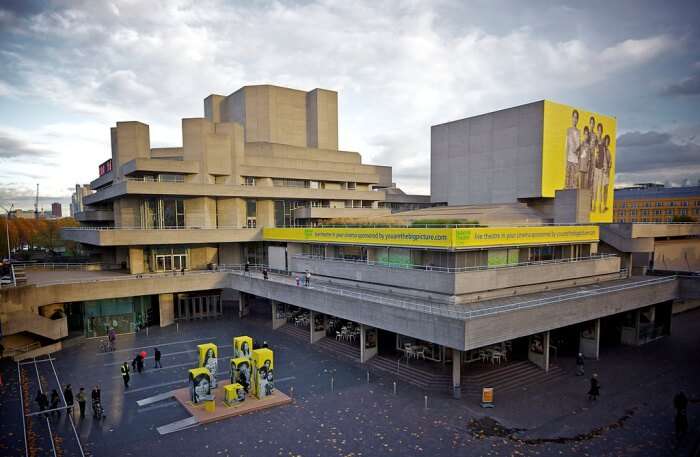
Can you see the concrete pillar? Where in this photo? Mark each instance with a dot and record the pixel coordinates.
(589, 340)
(538, 352)
(317, 326)
(456, 373)
(136, 261)
(630, 329)
(369, 344)
(243, 308)
(278, 314)
(166, 307)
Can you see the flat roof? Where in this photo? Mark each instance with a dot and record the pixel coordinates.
(657, 192)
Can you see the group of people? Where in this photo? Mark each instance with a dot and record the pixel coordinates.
(137, 364)
(589, 160)
(52, 405)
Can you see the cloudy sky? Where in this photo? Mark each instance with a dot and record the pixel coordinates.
(70, 70)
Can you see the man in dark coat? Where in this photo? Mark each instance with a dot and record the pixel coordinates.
(680, 402)
(43, 401)
(594, 391)
(125, 375)
(579, 365)
(68, 395)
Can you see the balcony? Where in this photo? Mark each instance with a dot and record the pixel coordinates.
(143, 187)
(461, 281)
(307, 212)
(109, 236)
(95, 216)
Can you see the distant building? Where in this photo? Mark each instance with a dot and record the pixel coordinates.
(22, 214)
(656, 203)
(399, 201)
(56, 210)
(76, 199)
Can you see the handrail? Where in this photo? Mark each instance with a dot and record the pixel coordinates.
(454, 270)
(189, 227)
(450, 311)
(126, 277)
(66, 265)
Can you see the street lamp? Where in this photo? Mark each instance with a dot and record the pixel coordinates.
(7, 229)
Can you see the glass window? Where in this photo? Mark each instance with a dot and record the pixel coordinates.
(251, 208)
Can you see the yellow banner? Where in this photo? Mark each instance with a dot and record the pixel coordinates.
(438, 237)
(450, 238)
(578, 152)
(523, 236)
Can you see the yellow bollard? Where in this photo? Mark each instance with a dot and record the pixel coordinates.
(210, 406)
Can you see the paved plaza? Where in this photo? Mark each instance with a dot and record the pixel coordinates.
(634, 415)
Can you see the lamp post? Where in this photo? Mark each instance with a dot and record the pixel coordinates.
(7, 229)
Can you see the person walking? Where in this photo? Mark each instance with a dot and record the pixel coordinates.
(139, 363)
(81, 401)
(594, 391)
(246, 269)
(298, 281)
(96, 397)
(579, 365)
(125, 375)
(265, 273)
(112, 336)
(680, 402)
(156, 357)
(68, 395)
(54, 402)
(307, 278)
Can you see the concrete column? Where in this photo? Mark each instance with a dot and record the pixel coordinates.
(278, 317)
(538, 352)
(166, 306)
(317, 334)
(456, 374)
(589, 340)
(630, 335)
(136, 261)
(243, 308)
(369, 345)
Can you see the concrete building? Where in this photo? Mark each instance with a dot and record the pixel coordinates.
(234, 219)
(399, 201)
(76, 199)
(56, 210)
(656, 203)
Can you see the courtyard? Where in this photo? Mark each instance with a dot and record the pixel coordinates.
(340, 409)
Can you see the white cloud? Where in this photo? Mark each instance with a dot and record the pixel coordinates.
(396, 69)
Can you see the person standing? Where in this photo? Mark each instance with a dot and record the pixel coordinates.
(54, 402)
(594, 391)
(43, 402)
(246, 269)
(81, 401)
(156, 357)
(579, 365)
(68, 395)
(680, 402)
(307, 278)
(125, 375)
(265, 273)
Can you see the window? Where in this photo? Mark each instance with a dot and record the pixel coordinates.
(669, 211)
(684, 203)
(284, 182)
(634, 204)
(159, 213)
(684, 212)
(314, 185)
(647, 204)
(657, 212)
(660, 204)
(251, 211)
(672, 204)
(350, 185)
(249, 181)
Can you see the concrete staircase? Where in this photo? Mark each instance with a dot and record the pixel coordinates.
(300, 333)
(25, 321)
(345, 350)
(511, 377)
(427, 380)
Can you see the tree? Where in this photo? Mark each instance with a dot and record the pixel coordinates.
(683, 218)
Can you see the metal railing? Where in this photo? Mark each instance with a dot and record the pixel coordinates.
(188, 227)
(453, 270)
(128, 277)
(61, 266)
(458, 311)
